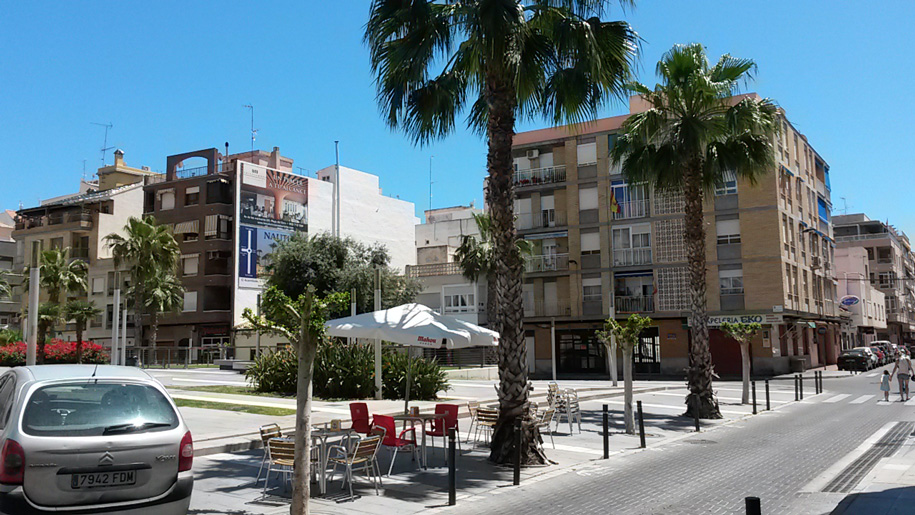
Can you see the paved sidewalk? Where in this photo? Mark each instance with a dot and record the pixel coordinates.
(888, 489)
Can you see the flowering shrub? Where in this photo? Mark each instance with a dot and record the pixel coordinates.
(56, 352)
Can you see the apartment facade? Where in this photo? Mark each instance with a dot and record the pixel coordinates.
(9, 305)
(864, 304)
(81, 221)
(228, 213)
(607, 248)
(891, 269)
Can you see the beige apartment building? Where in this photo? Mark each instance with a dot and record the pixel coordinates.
(81, 221)
(604, 247)
(891, 269)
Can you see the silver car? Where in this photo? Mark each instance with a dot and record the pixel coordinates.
(91, 439)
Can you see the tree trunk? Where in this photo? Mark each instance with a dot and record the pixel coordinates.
(613, 367)
(79, 342)
(627, 385)
(42, 334)
(700, 372)
(301, 480)
(745, 361)
(492, 304)
(153, 327)
(138, 316)
(513, 381)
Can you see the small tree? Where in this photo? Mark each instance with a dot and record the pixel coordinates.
(48, 317)
(163, 293)
(301, 321)
(627, 337)
(743, 333)
(80, 312)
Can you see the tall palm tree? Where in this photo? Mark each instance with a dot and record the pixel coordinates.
(48, 317)
(164, 294)
(508, 59)
(146, 249)
(695, 132)
(80, 312)
(58, 274)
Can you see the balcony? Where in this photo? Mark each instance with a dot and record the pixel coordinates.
(538, 176)
(632, 209)
(629, 257)
(545, 219)
(433, 269)
(546, 263)
(637, 304)
(83, 218)
(549, 308)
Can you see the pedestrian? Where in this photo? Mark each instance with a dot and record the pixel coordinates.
(885, 385)
(904, 367)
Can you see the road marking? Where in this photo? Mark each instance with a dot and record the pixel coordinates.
(910, 402)
(829, 474)
(885, 403)
(862, 399)
(205, 381)
(872, 375)
(838, 398)
(676, 408)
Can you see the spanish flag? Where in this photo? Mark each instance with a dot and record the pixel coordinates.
(614, 205)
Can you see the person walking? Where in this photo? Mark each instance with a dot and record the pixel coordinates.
(885, 385)
(904, 367)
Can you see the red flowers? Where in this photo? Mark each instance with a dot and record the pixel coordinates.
(56, 351)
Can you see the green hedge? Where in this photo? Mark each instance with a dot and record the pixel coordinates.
(344, 371)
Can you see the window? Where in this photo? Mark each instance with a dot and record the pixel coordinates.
(459, 303)
(590, 243)
(217, 227)
(823, 210)
(188, 231)
(587, 198)
(728, 231)
(111, 283)
(57, 243)
(166, 199)
(192, 196)
(109, 315)
(587, 153)
(731, 282)
(219, 192)
(728, 185)
(98, 285)
(590, 289)
(190, 264)
(190, 301)
(7, 384)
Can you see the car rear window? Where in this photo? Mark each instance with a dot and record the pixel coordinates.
(97, 408)
(855, 352)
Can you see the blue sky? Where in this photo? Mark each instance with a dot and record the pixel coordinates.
(173, 77)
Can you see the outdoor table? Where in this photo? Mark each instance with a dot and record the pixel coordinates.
(421, 418)
(321, 437)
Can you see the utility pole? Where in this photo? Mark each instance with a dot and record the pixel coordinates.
(123, 355)
(430, 181)
(337, 186)
(378, 382)
(257, 340)
(253, 130)
(115, 317)
(31, 350)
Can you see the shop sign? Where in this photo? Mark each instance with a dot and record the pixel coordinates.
(760, 318)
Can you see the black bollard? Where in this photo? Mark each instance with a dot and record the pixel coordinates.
(796, 397)
(641, 424)
(800, 384)
(753, 383)
(517, 477)
(696, 414)
(768, 405)
(606, 433)
(452, 469)
(753, 506)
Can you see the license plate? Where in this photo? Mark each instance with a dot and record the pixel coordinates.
(103, 479)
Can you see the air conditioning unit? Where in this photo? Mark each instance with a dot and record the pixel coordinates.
(816, 263)
(533, 154)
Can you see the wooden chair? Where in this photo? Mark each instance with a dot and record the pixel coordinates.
(267, 431)
(280, 458)
(544, 421)
(363, 457)
(486, 422)
(472, 407)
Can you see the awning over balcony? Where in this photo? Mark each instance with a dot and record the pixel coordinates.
(190, 227)
(547, 235)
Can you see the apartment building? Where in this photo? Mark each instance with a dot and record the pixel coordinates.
(864, 304)
(228, 213)
(891, 269)
(607, 248)
(9, 305)
(81, 221)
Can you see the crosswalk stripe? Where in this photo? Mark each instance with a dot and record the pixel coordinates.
(911, 402)
(837, 398)
(875, 374)
(862, 399)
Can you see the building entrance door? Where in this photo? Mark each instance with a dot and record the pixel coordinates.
(646, 357)
(579, 352)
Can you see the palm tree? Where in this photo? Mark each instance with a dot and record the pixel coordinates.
(58, 274)
(5, 289)
(695, 131)
(48, 317)
(146, 249)
(508, 59)
(80, 312)
(164, 294)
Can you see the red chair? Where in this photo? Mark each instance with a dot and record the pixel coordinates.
(359, 411)
(440, 426)
(397, 443)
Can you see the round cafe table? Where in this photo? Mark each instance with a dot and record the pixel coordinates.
(421, 418)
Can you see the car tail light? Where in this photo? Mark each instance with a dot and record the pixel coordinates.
(185, 453)
(12, 463)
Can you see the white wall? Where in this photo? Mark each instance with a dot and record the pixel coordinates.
(447, 232)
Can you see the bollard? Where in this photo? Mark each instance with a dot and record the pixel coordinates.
(796, 398)
(753, 383)
(821, 381)
(768, 405)
(517, 476)
(753, 506)
(606, 433)
(816, 382)
(641, 424)
(696, 414)
(452, 469)
(800, 384)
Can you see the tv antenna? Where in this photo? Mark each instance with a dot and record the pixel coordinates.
(430, 181)
(105, 147)
(253, 130)
(844, 206)
(84, 169)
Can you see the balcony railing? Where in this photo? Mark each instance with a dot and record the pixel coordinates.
(629, 257)
(548, 308)
(433, 269)
(545, 218)
(30, 222)
(853, 237)
(632, 209)
(537, 176)
(546, 263)
(639, 304)
(187, 173)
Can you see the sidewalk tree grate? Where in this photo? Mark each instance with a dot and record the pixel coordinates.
(884, 448)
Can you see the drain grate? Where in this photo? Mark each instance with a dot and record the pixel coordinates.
(700, 442)
(856, 470)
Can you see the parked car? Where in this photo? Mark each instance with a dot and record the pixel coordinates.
(91, 439)
(853, 359)
(887, 347)
(871, 356)
(881, 357)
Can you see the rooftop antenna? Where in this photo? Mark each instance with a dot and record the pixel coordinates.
(430, 181)
(253, 130)
(302, 171)
(84, 170)
(844, 206)
(105, 147)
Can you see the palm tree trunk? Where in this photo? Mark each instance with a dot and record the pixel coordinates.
(700, 372)
(138, 315)
(42, 334)
(745, 361)
(79, 342)
(513, 382)
(628, 415)
(492, 304)
(301, 480)
(153, 327)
